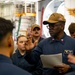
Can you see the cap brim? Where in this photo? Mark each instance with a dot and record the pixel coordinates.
(35, 27)
(48, 22)
(45, 22)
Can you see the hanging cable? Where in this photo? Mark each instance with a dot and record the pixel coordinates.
(19, 24)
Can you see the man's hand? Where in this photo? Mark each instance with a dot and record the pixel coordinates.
(71, 58)
(62, 68)
(29, 45)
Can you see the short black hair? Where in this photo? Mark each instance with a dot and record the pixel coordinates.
(20, 36)
(71, 28)
(6, 26)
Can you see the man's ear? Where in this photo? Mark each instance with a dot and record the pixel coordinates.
(9, 41)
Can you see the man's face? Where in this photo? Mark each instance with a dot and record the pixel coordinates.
(55, 29)
(36, 32)
(21, 43)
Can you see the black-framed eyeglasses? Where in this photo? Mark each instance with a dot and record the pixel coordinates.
(52, 25)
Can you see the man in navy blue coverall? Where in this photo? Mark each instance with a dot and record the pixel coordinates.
(6, 50)
(59, 42)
